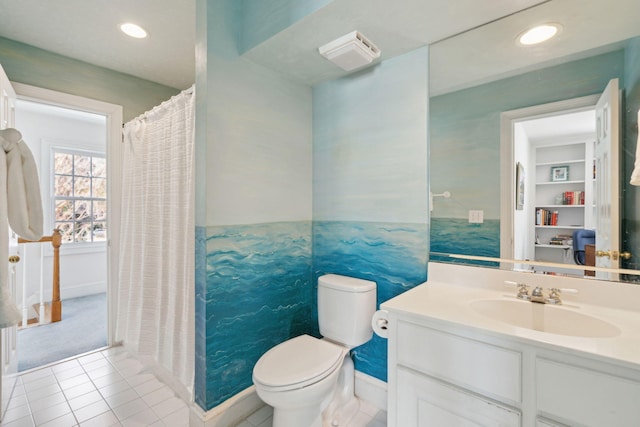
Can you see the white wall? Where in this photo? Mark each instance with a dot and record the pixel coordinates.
(83, 270)
(524, 232)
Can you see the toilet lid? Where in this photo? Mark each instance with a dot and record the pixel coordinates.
(297, 362)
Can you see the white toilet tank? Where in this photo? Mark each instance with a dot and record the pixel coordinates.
(345, 308)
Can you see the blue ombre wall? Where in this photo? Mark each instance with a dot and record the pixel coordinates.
(465, 138)
(370, 182)
(253, 268)
(259, 246)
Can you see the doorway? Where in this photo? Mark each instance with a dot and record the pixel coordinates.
(592, 205)
(517, 223)
(76, 142)
(558, 152)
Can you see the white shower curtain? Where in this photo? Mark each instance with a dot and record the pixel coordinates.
(156, 296)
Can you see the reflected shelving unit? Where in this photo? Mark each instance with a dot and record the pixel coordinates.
(563, 188)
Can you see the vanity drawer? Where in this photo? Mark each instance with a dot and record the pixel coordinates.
(579, 396)
(424, 401)
(477, 366)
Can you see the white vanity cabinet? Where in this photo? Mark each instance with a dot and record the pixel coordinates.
(425, 401)
(443, 375)
(442, 379)
(595, 395)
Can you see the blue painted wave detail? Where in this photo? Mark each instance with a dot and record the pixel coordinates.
(260, 290)
(258, 294)
(200, 383)
(392, 255)
(458, 236)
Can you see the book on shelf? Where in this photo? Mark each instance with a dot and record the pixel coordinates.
(561, 240)
(573, 198)
(546, 217)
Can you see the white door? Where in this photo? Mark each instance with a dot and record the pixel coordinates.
(9, 363)
(607, 184)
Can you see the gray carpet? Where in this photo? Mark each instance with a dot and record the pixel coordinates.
(83, 328)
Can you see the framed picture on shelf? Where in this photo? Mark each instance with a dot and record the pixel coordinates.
(519, 186)
(559, 173)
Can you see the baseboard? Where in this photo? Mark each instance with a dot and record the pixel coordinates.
(372, 390)
(85, 289)
(67, 292)
(237, 408)
(229, 413)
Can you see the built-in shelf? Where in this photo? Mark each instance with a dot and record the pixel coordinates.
(559, 182)
(567, 227)
(559, 206)
(567, 162)
(577, 155)
(539, 245)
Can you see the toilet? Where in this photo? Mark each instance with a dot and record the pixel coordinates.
(310, 381)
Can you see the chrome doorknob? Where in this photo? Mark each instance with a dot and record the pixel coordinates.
(14, 259)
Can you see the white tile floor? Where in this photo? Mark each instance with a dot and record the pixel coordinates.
(368, 416)
(105, 388)
(108, 388)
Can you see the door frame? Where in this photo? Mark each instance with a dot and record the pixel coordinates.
(113, 114)
(507, 160)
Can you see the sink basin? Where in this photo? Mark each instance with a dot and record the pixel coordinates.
(545, 318)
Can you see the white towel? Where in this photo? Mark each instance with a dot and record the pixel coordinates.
(635, 175)
(20, 206)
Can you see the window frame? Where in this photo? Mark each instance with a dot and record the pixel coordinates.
(49, 147)
(91, 198)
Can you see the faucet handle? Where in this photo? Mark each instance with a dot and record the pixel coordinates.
(523, 290)
(557, 291)
(554, 294)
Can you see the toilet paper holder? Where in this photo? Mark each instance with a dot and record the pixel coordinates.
(380, 323)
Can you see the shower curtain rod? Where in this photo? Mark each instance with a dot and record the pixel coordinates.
(145, 115)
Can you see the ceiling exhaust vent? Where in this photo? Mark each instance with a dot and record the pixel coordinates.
(350, 51)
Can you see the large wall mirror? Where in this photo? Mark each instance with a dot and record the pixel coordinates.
(515, 137)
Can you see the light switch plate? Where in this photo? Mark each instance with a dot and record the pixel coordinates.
(476, 217)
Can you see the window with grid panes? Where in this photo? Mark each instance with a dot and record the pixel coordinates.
(80, 196)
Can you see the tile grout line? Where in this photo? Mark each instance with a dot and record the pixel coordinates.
(140, 396)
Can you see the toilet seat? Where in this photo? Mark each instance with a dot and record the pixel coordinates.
(297, 363)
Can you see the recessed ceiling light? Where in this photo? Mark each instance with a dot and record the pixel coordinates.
(133, 30)
(538, 34)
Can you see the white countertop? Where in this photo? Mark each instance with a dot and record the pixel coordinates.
(438, 301)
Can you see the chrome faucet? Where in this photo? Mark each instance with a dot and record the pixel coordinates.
(537, 294)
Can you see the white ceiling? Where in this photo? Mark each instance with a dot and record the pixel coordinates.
(88, 30)
(588, 27)
(395, 27)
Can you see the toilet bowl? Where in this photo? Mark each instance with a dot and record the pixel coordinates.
(310, 381)
(298, 378)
